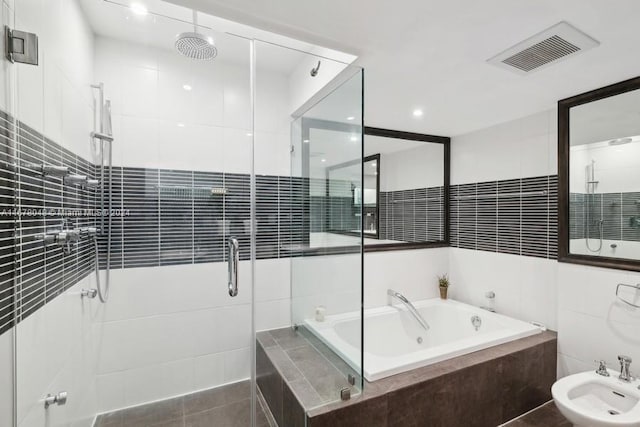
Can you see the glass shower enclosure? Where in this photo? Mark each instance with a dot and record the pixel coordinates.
(197, 185)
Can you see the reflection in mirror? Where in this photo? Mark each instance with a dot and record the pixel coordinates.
(604, 177)
(412, 189)
(344, 193)
(402, 198)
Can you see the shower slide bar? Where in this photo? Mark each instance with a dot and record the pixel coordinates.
(499, 195)
(624, 285)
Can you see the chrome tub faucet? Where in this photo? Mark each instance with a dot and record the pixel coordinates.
(416, 315)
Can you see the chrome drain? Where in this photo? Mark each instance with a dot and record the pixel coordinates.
(419, 340)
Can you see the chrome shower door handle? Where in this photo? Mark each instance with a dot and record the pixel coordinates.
(233, 250)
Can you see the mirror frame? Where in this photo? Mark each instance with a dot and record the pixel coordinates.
(564, 148)
(375, 157)
(446, 142)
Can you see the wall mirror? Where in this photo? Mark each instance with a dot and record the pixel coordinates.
(398, 195)
(599, 177)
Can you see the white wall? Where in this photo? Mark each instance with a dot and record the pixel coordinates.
(414, 168)
(158, 124)
(172, 330)
(334, 281)
(577, 301)
(302, 86)
(6, 378)
(56, 351)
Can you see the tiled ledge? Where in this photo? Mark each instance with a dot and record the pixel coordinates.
(485, 388)
(296, 372)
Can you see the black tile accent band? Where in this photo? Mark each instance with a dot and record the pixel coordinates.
(517, 216)
(32, 274)
(179, 217)
(414, 215)
(619, 213)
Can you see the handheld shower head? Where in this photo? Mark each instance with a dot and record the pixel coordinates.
(106, 118)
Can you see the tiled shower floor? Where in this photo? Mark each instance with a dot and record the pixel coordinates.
(227, 406)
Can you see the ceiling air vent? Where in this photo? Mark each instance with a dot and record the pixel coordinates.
(545, 48)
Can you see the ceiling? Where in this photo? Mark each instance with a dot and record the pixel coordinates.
(159, 27)
(431, 54)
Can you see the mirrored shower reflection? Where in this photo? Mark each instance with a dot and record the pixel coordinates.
(604, 199)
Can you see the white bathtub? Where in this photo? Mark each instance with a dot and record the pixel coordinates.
(394, 342)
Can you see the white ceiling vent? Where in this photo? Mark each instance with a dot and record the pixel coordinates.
(545, 48)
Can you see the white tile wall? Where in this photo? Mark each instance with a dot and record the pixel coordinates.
(521, 148)
(56, 351)
(210, 333)
(208, 128)
(525, 287)
(333, 281)
(6, 378)
(421, 167)
(412, 273)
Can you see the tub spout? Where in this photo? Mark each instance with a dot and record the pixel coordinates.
(410, 308)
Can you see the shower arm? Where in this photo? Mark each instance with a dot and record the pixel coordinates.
(195, 20)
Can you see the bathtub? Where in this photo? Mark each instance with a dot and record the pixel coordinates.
(394, 342)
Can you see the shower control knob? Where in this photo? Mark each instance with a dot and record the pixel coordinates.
(58, 399)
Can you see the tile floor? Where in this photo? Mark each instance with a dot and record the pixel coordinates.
(227, 406)
(546, 415)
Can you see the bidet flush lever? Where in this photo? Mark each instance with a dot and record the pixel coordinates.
(625, 365)
(602, 368)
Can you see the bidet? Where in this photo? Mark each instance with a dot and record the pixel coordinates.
(590, 399)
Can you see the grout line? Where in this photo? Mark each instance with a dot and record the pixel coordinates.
(526, 413)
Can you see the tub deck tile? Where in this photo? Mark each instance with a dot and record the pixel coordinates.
(483, 388)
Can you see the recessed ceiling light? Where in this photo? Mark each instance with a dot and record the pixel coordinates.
(417, 113)
(354, 138)
(351, 118)
(305, 140)
(187, 87)
(139, 9)
(323, 160)
(180, 125)
(249, 134)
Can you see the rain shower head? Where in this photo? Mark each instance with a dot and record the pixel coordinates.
(195, 45)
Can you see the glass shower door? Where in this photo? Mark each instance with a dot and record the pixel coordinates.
(172, 343)
(312, 282)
